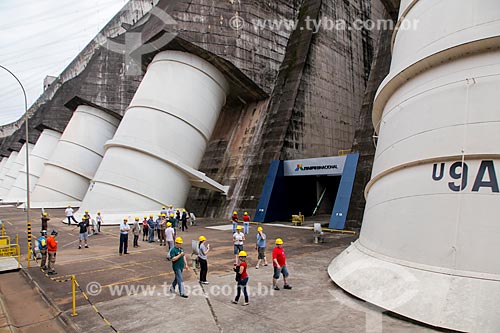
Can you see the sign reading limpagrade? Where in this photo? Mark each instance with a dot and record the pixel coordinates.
(333, 166)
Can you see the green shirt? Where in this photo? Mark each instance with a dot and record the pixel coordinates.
(179, 263)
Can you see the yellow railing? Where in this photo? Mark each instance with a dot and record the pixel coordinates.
(11, 251)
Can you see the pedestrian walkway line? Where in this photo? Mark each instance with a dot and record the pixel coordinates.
(95, 308)
(210, 306)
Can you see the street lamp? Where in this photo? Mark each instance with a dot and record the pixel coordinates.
(27, 161)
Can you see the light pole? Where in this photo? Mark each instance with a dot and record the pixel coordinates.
(27, 161)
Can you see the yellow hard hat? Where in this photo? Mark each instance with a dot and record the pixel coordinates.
(84, 217)
(184, 210)
(178, 240)
(279, 241)
(163, 215)
(45, 214)
(242, 254)
(169, 224)
(171, 206)
(137, 218)
(163, 207)
(69, 206)
(259, 229)
(245, 213)
(98, 212)
(145, 217)
(235, 212)
(125, 219)
(202, 238)
(150, 215)
(86, 211)
(238, 227)
(171, 214)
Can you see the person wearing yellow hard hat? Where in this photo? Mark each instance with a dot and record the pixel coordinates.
(241, 278)
(279, 265)
(184, 218)
(45, 219)
(84, 232)
(124, 229)
(69, 215)
(202, 258)
(234, 220)
(238, 239)
(136, 231)
(163, 227)
(145, 228)
(170, 235)
(151, 229)
(173, 220)
(260, 246)
(246, 223)
(179, 263)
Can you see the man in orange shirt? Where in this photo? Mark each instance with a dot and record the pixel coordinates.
(51, 250)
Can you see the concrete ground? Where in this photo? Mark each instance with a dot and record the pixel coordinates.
(131, 291)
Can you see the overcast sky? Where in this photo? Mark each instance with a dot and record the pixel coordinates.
(40, 38)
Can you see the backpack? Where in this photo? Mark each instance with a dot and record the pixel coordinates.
(237, 278)
(42, 243)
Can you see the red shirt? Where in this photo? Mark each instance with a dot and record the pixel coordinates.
(244, 274)
(246, 218)
(51, 244)
(234, 217)
(279, 255)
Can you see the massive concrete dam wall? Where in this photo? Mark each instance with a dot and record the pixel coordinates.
(294, 93)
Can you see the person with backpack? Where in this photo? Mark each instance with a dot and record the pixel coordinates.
(202, 258)
(42, 246)
(241, 278)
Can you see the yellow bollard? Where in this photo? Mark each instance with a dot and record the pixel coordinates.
(73, 292)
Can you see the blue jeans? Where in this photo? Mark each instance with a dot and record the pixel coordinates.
(246, 226)
(151, 235)
(178, 280)
(235, 224)
(242, 284)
